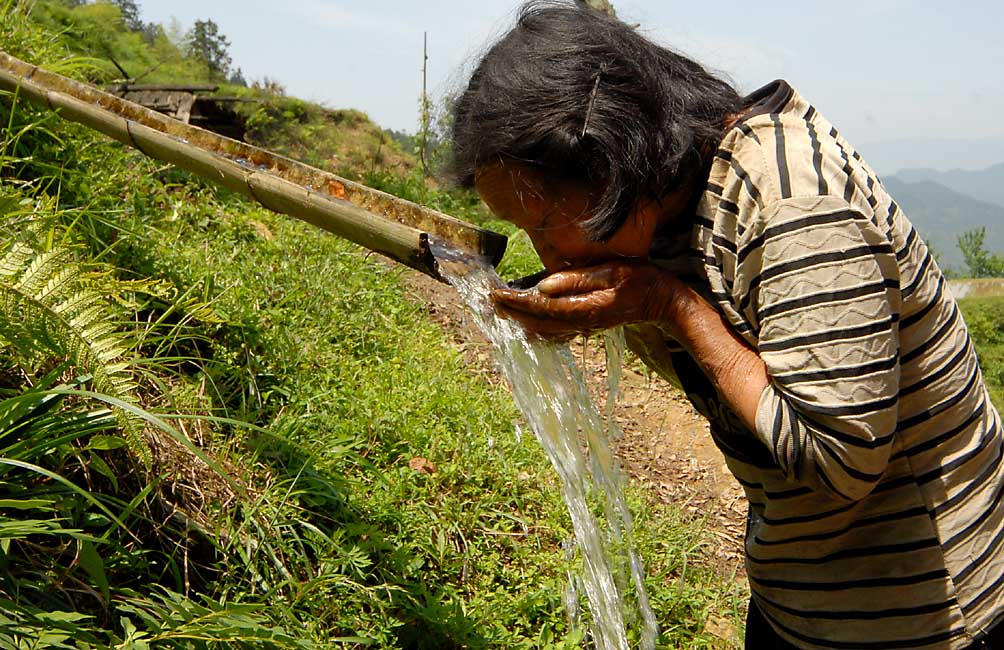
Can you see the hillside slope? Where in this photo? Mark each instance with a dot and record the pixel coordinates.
(983, 185)
(941, 214)
(324, 468)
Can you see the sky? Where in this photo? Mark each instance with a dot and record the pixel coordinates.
(917, 82)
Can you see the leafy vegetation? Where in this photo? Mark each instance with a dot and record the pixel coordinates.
(51, 306)
(207, 45)
(938, 211)
(342, 141)
(222, 428)
(980, 262)
(101, 32)
(985, 319)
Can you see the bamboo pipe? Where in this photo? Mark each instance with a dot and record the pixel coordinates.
(401, 230)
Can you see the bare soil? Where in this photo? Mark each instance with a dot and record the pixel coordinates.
(665, 447)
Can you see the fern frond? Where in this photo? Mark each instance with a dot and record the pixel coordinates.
(49, 303)
(15, 259)
(59, 283)
(73, 302)
(43, 267)
(88, 314)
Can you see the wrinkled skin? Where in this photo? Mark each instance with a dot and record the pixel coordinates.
(586, 300)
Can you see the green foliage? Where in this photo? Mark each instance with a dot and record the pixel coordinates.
(328, 323)
(344, 141)
(53, 530)
(290, 382)
(985, 320)
(209, 46)
(980, 262)
(50, 305)
(102, 32)
(170, 619)
(129, 11)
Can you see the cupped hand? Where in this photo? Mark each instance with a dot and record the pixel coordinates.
(582, 301)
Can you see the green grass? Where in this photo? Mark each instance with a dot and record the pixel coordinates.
(314, 380)
(342, 141)
(985, 319)
(351, 363)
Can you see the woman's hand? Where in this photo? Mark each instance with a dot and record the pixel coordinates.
(582, 301)
(618, 293)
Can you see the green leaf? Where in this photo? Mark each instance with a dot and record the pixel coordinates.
(26, 504)
(50, 304)
(98, 464)
(134, 639)
(92, 563)
(106, 443)
(16, 410)
(63, 617)
(90, 498)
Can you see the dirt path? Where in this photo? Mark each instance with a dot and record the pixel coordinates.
(665, 447)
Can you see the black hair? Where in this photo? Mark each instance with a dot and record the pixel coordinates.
(585, 96)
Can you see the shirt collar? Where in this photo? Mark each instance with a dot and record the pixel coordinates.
(772, 98)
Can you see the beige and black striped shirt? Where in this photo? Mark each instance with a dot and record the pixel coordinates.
(875, 473)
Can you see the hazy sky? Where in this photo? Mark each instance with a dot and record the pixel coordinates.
(881, 70)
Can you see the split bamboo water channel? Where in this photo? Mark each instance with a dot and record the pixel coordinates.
(547, 386)
(399, 229)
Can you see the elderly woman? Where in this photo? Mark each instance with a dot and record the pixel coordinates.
(759, 264)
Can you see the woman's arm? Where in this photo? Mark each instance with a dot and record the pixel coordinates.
(734, 368)
(618, 293)
(818, 282)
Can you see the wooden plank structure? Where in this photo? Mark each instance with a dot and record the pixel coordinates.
(399, 229)
(184, 103)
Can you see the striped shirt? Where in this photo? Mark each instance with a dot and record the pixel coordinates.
(875, 472)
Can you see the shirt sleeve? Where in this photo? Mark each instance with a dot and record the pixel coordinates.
(820, 283)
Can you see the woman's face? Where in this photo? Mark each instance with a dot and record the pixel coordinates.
(550, 212)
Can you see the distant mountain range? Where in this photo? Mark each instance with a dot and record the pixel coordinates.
(889, 157)
(941, 208)
(985, 184)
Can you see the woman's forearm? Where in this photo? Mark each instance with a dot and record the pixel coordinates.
(636, 292)
(735, 369)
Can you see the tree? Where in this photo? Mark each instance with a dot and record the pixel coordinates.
(981, 263)
(130, 14)
(151, 32)
(207, 44)
(237, 78)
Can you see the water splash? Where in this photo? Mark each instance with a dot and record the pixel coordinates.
(550, 390)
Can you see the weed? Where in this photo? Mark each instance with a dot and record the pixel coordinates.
(292, 385)
(985, 320)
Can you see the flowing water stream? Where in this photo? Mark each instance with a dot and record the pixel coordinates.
(551, 392)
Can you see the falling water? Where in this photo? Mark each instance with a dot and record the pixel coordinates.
(551, 392)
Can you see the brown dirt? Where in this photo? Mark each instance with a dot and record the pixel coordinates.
(665, 446)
